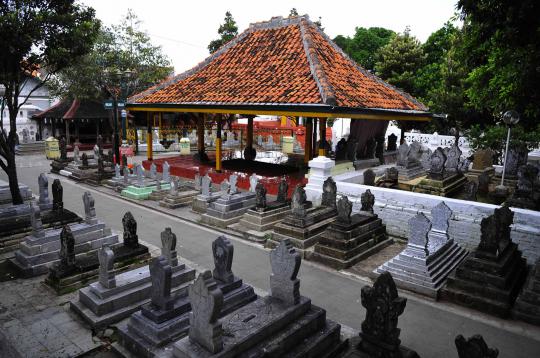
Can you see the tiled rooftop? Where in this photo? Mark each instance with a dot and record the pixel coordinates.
(282, 61)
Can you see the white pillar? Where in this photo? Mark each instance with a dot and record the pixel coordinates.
(320, 168)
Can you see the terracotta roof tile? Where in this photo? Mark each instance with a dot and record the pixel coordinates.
(283, 61)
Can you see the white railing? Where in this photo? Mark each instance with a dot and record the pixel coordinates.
(432, 141)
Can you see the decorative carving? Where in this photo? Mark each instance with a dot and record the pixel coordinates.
(344, 209)
(367, 200)
(106, 267)
(329, 193)
(419, 227)
(474, 347)
(495, 232)
(130, 230)
(285, 262)
(223, 252)
(437, 164)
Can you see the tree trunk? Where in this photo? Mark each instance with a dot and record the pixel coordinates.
(11, 172)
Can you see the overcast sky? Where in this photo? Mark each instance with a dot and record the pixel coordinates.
(184, 28)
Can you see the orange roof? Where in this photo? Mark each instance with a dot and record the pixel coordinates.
(280, 63)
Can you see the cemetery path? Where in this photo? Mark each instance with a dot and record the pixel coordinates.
(428, 327)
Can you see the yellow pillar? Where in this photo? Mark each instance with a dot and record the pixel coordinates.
(149, 153)
(322, 137)
(218, 145)
(283, 120)
(308, 137)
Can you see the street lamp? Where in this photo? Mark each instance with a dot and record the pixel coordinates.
(510, 118)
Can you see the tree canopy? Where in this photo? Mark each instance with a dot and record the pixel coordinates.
(227, 31)
(364, 45)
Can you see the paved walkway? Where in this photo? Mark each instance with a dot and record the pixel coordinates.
(428, 327)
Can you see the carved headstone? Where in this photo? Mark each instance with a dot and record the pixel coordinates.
(253, 180)
(437, 164)
(285, 262)
(298, 201)
(160, 275)
(474, 347)
(223, 252)
(483, 158)
(403, 153)
(84, 159)
(117, 171)
(206, 184)
(58, 195)
(452, 159)
(344, 209)
(440, 221)
(380, 335)
(206, 304)
(517, 156)
(352, 146)
(329, 193)
(96, 152)
(63, 148)
(166, 177)
(260, 196)
(168, 246)
(392, 142)
(471, 188)
(35, 220)
(415, 152)
(341, 149)
(89, 210)
(225, 186)
(233, 181)
(43, 182)
(527, 176)
(425, 159)
(130, 230)
(140, 175)
(173, 190)
(419, 227)
(283, 189)
(495, 233)
(369, 177)
(391, 174)
(67, 248)
(197, 181)
(76, 157)
(367, 199)
(153, 171)
(379, 149)
(106, 267)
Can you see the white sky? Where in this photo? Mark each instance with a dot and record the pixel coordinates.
(184, 28)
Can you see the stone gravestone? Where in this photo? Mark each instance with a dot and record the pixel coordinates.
(166, 173)
(153, 171)
(158, 185)
(369, 177)
(483, 183)
(43, 182)
(425, 159)
(63, 149)
(223, 252)
(160, 275)
(197, 181)
(174, 187)
(206, 184)
(283, 189)
(437, 164)
(140, 175)
(483, 158)
(270, 142)
(84, 159)
(379, 149)
(526, 195)
(344, 209)
(58, 194)
(89, 210)
(367, 199)
(96, 152)
(253, 180)
(168, 246)
(117, 171)
(379, 336)
(233, 181)
(131, 239)
(285, 262)
(341, 149)
(260, 198)
(76, 157)
(471, 188)
(67, 248)
(206, 303)
(403, 155)
(298, 201)
(453, 157)
(440, 221)
(527, 307)
(35, 221)
(352, 146)
(474, 347)
(392, 143)
(517, 156)
(225, 186)
(106, 267)
(329, 193)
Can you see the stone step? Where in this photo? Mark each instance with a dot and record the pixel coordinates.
(323, 343)
(500, 281)
(345, 245)
(495, 267)
(346, 254)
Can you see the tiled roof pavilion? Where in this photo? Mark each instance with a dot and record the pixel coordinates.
(282, 67)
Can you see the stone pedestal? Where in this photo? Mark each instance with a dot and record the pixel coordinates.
(257, 223)
(473, 174)
(5, 193)
(527, 307)
(409, 173)
(343, 244)
(228, 209)
(320, 169)
(366, 163)
(96, 178)
(59, 164)
(182, 197)
(448, 186)
(141, 192)
(100, 306)
(201, 202)
(78, 171)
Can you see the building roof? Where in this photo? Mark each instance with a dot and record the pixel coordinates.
(280, 66)
(74, 109)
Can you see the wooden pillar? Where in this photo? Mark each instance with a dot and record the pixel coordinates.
(67, 131)
(53, 125)
(149, 120)
(218, 144)
(249, 152)
(77, 134)
(322, 137)
(308, 139)
(314, 139)
(200, 133)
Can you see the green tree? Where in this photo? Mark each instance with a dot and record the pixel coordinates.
(364, 45)
(38, 37)
(293, 12)
(227, 31)
(501, 46)
(124, 47)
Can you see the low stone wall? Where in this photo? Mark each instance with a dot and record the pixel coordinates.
(396, 207)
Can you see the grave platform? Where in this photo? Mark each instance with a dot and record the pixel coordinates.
(59, 164)
(257, 223)
(87, 268)
(267, 325)
(343, 244)
(527, 307)
(406, 174)
(303, 232)
(100, 306)
(5, 193)
(141, 192)
(446, 187)
(183, 197)
(201, 202)
(228, 209)
(488, 285)
(96, 178)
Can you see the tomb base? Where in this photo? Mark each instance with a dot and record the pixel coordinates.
(527, 307)
(342, 245)
(257, 224)
(59, 164)
(97, 178)
(360, 348)
(141, 193)
(366, 163)
(228, 209)
(180, 199)
(407, 174)
(201, 202)
(447, 187)
(473, 174)
(488, 285)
